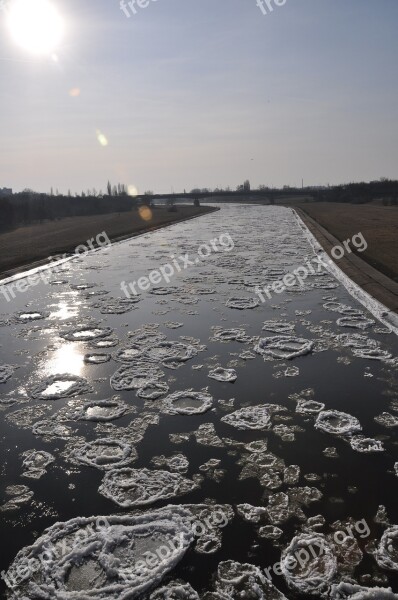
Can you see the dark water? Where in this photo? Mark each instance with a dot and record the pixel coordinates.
(353, 486)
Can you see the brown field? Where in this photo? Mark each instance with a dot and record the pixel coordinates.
(35, 243)
(378, 224)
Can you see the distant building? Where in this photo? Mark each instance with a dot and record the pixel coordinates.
(5, 192)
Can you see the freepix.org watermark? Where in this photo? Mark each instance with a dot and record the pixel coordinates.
(24, 284)
(130, 8)
(267, 6)
(317, 548)
(299, 275)
(224, 243)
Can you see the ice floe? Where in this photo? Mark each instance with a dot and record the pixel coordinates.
(134, 377)
(221, 374)
(252, 417)
(35, 463)
(6, 372)
(366, 445)
(387, 551)
(188, 402)
(309, 572)
(60, 386)
(242, 303)
(105, 453)
(102, 558)
(18, 496)
(140, 487)
(86, 333)
(337, 422)
(284, 346)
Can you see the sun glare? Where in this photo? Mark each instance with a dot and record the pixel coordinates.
(36, 25)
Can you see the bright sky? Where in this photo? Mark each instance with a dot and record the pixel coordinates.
(195, 93)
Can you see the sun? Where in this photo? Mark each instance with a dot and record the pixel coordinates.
(36, 25)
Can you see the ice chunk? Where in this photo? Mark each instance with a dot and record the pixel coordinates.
(188, 402)
(6, 372)
(366, 445)
(60, 386)
(250, 417)
(104, 454)
(35, 463)
(140, 487)
(102, 558)
(308, 564)
(337, 423)
(284, 346)
(242, 303)
(220, 374)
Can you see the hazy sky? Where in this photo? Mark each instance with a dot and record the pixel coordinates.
(188, 92)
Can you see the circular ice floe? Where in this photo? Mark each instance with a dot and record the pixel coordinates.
(304, 572)
(102, 558)
(170, 354)
(134, 377)
(145, 338)
(366, 445)
(117, 306)
(105, 343)
(153, 390)
(220, 374)
(164, 291)
(51, 429)
(242, 303)
(6, 372)
(355, 321)
(27, 316)
(337, 423)
(83, 334)
(250, 417)
(140, 487)
(97, 358)
(60, 386)
(98, 410)
(231, 335)
(187, 403)
(283, 346)
(387, 551)
(104, 454)
(278, 326)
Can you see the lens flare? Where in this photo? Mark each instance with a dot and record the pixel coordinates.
(145, 213)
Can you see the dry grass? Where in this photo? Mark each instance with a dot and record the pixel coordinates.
(378, 224)
(26, 245)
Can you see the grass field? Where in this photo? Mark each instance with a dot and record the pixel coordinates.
(26, 245)
(378, 224)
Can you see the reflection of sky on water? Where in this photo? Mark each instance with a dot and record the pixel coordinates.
(65, 310)
(67, 359)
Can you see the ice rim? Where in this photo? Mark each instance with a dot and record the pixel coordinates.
(378, 310)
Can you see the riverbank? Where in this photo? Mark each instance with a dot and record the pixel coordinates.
(33, 245)
(331, 224)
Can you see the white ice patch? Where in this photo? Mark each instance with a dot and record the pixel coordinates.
(337, 423)
(225, 375)
(188, 402)
(83, 334)
(284, 347)
(152, 390)
(60, 386)
(140, 487)
(366, 445)
(278, 326)
(96, 358)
